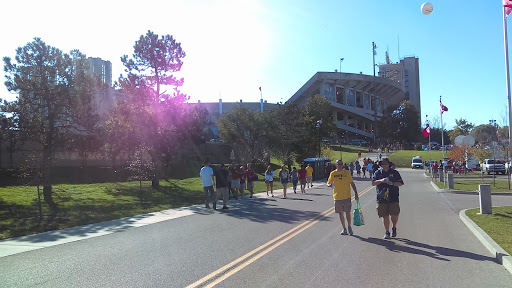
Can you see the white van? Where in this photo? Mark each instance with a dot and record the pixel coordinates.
(417, 162)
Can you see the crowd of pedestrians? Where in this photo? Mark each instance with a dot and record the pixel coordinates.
(232, 181)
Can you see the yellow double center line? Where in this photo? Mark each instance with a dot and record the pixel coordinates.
(261, 251)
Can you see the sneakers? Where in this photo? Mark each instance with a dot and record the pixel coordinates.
(344, 232)
(225, 208)
(350, 232)
(393, 232)
(387, 236)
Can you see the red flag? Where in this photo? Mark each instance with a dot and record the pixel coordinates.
(426, 131)
(508, 6)
(443, 108)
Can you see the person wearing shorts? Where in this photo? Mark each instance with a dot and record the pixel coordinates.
(208, 181)
(302, 178)
(284, 177)
(435, 171)
(387, 181)
(235, 180)
(269, 179)
(251, 175)
(309, 176)
(243, 177)
(221, 181)
(342, 181)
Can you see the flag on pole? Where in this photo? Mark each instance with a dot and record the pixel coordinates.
(443, 108)
(508, 6)
(426, 131)
(260, 88)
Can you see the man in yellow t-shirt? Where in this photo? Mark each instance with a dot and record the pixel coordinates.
(342, 181)
(309, 176)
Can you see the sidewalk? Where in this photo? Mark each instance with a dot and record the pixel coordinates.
(22, 244)
(501, 255)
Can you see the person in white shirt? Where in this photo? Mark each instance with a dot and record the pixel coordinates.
(269, 180)
(208, 180)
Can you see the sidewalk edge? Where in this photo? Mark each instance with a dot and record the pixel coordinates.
(501, 255)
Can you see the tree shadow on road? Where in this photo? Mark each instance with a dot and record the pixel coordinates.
(266, 210)
(401, 245)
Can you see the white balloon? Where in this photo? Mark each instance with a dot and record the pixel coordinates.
(427, 8)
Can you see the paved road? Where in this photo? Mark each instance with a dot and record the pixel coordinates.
(273, 242)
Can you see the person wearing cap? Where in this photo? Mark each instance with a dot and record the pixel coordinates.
(342, 181)
(387, 181)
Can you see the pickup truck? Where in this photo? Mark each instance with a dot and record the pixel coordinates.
(493, 166)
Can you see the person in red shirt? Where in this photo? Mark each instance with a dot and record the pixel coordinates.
(251, 175)
(243, 176)
(435, 170)
(302, 178)
(235, 180)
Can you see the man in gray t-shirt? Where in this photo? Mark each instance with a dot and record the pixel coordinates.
(208, 180)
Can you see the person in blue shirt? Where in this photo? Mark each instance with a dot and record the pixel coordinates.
(387, 181)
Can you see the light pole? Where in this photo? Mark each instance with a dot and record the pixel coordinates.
(374, 52)
(341, 60)
(319, 139)
(429, 149)
(493, 123)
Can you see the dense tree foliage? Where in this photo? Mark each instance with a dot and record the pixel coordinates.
(246, 131)
(53, 95)
(158, 119)
(401, 124)
(290, 132)
(484, 133)
(462, 127)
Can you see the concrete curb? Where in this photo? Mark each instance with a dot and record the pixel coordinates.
(501, 255)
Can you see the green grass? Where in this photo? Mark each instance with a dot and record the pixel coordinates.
(403, 158)
(475, 174)
(497, 226)
(472, 185)
(83, 204)
(348, 153)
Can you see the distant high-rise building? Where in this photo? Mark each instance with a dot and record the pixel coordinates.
(406, 72)
(101, 68)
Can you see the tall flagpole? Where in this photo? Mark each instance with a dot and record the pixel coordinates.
(442, 144)
(505, 37)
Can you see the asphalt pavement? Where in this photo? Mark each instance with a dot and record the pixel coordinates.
(267, 242)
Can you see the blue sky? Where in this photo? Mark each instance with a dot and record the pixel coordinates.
(234, 47)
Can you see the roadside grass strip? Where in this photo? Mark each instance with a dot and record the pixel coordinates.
(82, 204)
(497, 225)
(472, 185)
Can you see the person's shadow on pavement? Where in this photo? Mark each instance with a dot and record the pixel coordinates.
(402, 245)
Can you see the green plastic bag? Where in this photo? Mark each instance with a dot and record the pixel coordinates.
(358, 218)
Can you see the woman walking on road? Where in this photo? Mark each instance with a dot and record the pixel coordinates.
(284, 176)
(269, 180)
